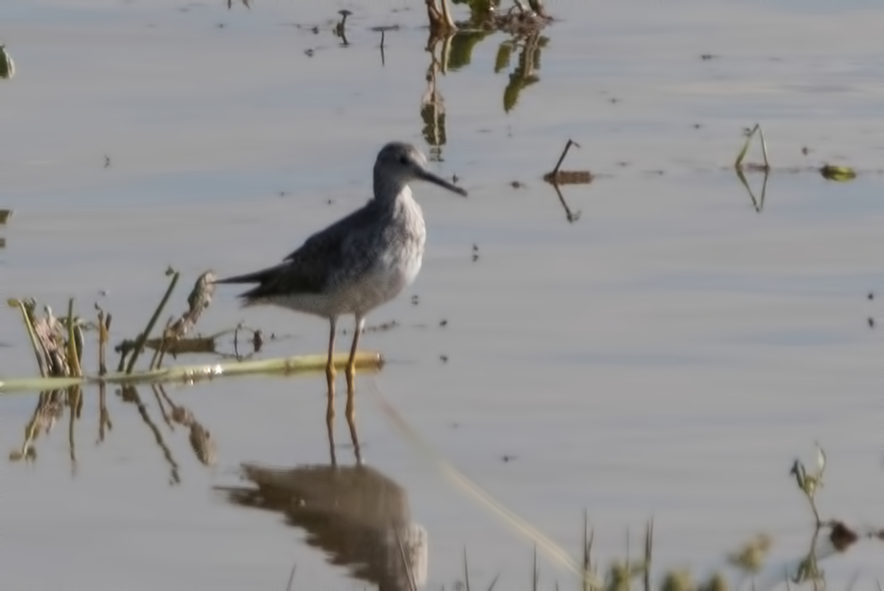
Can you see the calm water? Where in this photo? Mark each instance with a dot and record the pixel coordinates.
(668, 354)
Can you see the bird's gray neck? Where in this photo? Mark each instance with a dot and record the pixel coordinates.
(387, 192)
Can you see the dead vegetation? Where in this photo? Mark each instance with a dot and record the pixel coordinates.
(827, 171)
(487, 15)
(557, 177)
(58, 345)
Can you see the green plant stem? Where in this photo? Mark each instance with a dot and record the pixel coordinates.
(192, 373)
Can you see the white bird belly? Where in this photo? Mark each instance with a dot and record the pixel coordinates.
(377, 286)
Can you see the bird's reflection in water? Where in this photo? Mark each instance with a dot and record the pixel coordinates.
(357, 515)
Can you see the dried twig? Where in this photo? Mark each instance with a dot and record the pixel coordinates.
(142, 338)
(104, 420)
(568, 145)
(440, 21)
(27, 312)
(750, 133)
(198, 301)
(72, 349)
(567, 177)
(810, 483)
(104, 322)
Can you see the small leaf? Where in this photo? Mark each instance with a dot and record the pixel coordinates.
(502, 59)
(837, 173)
(820, 461)
(7, 66)
(800, 474)
(810, 483)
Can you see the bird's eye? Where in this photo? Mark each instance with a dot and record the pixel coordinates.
(403, 160)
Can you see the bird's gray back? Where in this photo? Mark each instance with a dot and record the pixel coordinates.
(307, 270)
(345, 251)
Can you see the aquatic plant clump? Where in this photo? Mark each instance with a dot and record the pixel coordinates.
(59, 343)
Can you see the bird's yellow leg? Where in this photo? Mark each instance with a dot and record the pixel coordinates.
(330, 376)
(351, 368)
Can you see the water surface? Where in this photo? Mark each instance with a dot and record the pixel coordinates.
(667, 354)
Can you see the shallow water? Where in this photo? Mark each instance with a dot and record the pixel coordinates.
(667, 354)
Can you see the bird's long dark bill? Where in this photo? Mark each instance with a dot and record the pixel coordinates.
(437, 180)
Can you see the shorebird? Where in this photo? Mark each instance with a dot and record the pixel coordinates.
(358, 263)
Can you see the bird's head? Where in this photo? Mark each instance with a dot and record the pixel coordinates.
(400, 163)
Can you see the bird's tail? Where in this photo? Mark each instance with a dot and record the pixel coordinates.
(252, 296)
(256, 277)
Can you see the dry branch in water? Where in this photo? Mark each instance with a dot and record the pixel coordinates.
(198, 300)
(142, 338)
(829, 172)
(750, 133)
(567, 177)
(440, 20)
(519, 20)
(58, 347)
(57, 344)
(174, 340)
